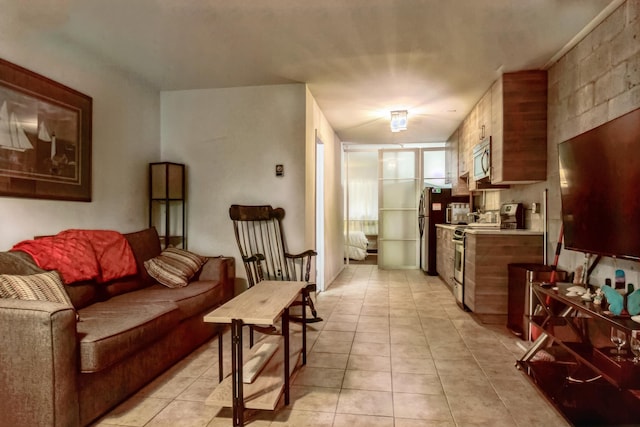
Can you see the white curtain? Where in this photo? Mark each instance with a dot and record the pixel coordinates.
(363, 199)
(362, 192)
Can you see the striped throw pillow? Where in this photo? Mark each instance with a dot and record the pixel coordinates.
(174, 267)
(36, 287)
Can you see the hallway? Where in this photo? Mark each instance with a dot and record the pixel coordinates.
(394, 351)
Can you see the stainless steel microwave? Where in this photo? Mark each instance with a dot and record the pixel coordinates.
(482, 160)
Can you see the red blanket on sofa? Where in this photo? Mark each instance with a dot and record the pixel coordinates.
(82, 254)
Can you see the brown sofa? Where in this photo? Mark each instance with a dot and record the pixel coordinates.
(59, 369)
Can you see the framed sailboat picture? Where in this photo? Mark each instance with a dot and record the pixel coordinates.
(45, 137)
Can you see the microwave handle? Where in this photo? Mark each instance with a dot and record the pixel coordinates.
(447, 217)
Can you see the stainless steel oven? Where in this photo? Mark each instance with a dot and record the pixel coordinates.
(458, 265)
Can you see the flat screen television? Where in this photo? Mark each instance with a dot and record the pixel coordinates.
(600, 189)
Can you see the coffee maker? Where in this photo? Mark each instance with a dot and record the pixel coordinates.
(512, 216)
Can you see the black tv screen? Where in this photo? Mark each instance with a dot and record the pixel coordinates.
(600, 189)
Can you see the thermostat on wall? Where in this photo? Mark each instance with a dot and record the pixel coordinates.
(279, 170)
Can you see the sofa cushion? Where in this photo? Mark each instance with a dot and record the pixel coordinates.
(84, 293)
(122, 286)
(112, 330)
(191, 300)
(145, 245)
(35, 287)
(174, 267)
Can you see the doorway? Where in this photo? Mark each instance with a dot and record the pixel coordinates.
(361, 207)
(382, 186)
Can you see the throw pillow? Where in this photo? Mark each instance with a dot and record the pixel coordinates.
(174, 267)
(36, 287)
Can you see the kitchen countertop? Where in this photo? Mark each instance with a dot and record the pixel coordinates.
(494, 231)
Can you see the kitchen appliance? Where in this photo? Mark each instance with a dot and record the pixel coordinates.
(457, 213)
(482, 161)
(512, 216)
(458, 266)
(431, 211)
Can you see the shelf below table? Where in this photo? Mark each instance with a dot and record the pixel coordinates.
(265, 391)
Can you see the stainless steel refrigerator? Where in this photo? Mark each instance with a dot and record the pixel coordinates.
(431, 211)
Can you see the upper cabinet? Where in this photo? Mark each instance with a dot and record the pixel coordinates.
(464, 136)
(483, 116)
(513, 112)
(452, 148)
(478, 126)
(519, 128)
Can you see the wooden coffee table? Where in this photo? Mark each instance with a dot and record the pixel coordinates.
(263, 304)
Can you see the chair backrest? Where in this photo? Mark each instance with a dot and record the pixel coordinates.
(263, 248)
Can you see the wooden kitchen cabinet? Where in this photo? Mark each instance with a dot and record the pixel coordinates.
(513, 112)
(483, 117)
(459, 185)
(476, 127)
(519, 128)
(444, 255)
(464, 134)
(451, 159)
(487, 256)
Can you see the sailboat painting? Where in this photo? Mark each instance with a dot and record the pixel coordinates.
(12, 136)
(28, 148)
(45, 138)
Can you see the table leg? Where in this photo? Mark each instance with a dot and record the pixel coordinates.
(305, 295)
(220, 361)
(236, 372)
(285, 333)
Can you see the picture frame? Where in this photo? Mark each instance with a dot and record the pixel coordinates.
(45, 137)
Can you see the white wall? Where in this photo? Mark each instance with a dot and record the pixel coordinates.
(333, 195)
(126, 134)
(231, 140)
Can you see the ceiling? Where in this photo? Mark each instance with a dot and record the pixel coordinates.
(360, 58)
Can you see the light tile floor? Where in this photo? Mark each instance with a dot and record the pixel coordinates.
(394, 351)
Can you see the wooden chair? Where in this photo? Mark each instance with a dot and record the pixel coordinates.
(263, 248)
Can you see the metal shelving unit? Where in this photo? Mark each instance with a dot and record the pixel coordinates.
(167, 203)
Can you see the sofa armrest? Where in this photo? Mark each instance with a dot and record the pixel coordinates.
(223, 269)
(38, 364)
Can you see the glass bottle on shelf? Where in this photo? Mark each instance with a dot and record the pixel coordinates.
(167, 203)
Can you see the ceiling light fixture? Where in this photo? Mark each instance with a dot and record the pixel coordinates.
(398, 120)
